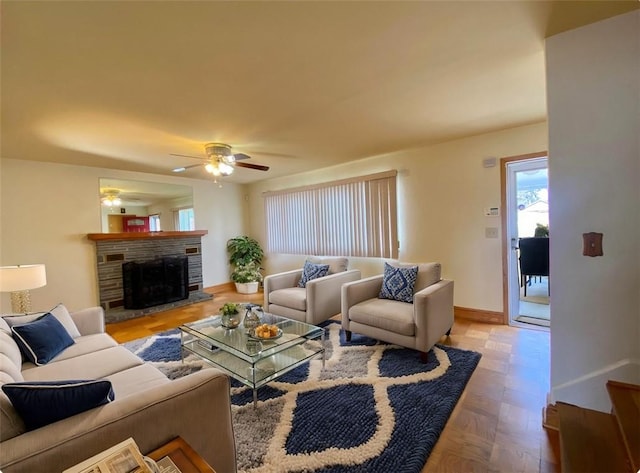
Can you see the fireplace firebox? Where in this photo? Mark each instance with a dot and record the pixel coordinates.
(155, 282)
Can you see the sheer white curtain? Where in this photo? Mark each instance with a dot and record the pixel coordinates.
(350, 217)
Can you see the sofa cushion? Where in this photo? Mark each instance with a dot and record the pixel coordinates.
(312, 271)
(42, 339)
(398, 283)
(10, 357)
(336, 265)
(86, 344)
(136, 379)
(40, 403)
(99, 364)
(60, 312)
(293, 297)
(4, 326)
(9, 371)
(11, 424)
(386, 314)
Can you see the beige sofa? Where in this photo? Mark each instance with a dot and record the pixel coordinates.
(148, 406)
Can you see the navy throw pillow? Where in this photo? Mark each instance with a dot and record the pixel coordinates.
(40, 403)
(312, 271)
(41, 340)
(398, 283)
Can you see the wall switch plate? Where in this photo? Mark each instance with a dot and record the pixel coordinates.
(489, 162)
(592, 245)
(491, 232)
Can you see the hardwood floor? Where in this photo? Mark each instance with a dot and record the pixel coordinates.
(497, 424)
(154, 323)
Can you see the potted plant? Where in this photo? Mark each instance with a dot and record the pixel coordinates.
(230, 315)
(541, 231)
(245, 255)
(247, 277)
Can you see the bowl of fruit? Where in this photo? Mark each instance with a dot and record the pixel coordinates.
(266, 332)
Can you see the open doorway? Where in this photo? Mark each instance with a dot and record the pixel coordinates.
(526, 231)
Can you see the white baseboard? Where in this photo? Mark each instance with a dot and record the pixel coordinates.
(590, 389)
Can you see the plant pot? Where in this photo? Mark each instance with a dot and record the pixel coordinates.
(247, 288)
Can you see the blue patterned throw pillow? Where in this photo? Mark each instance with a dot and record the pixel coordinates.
(398, 283)
(312, 271)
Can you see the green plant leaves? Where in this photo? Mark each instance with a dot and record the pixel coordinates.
(244, 250)
(245, 254)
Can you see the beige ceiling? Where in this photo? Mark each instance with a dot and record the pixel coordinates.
(296, 85)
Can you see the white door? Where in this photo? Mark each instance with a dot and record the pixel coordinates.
(526, 185)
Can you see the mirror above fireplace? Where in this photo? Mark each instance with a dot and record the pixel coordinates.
(133, 206)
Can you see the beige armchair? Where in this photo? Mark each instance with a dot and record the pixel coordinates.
(315, 303)
(418, 325)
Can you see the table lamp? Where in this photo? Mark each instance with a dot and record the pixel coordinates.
(18, 280)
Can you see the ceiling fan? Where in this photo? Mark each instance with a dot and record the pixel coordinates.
(220, 161)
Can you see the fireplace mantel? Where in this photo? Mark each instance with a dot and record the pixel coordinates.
(139, 235)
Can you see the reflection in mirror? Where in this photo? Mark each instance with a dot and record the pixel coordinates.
(139, 206)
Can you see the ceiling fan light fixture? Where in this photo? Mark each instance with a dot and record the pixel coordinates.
(213, 169)
(225, 169)
(220, 161)
(111, 201)
(217, 149)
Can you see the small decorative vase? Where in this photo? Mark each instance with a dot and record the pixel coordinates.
(230, 320)
(251, 318)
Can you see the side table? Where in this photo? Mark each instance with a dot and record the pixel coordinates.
(183, 455)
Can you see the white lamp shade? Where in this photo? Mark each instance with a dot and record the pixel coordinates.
(22, 278)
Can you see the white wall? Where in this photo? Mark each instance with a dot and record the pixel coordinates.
(46, 211)
(442, 191)
(593, 85)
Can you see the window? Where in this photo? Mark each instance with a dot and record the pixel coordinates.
(154, 223)
(184, 219)
(350, 217)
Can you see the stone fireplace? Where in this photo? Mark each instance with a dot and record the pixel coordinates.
(157, 252)
(155, 282)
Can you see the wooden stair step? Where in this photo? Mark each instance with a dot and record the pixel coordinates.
(550, 419)
(625, 399)
(590, 441)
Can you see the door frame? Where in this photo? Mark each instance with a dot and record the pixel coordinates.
(506, 243)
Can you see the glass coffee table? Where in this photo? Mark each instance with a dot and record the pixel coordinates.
(254, 362)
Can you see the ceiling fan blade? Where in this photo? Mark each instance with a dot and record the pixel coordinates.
(184, 168)
(258, 167)
(275, 155)
(241, 156)
(187, 156)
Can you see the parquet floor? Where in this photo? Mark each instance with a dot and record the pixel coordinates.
(497, 424)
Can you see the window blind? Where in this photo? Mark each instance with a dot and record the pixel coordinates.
(349, 217)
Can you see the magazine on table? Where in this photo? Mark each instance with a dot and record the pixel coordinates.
(124, 457)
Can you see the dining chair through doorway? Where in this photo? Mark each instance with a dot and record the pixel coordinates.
(534, 260)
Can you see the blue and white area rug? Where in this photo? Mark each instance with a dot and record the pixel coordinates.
(373, 408)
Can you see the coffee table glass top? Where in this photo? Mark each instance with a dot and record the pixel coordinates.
(253, 362)
(241, 344)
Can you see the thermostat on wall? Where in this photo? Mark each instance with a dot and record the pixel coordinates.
(492, 211)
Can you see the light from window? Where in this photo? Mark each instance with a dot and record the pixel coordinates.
(154, 223)
(350, 217)
(184, 220)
